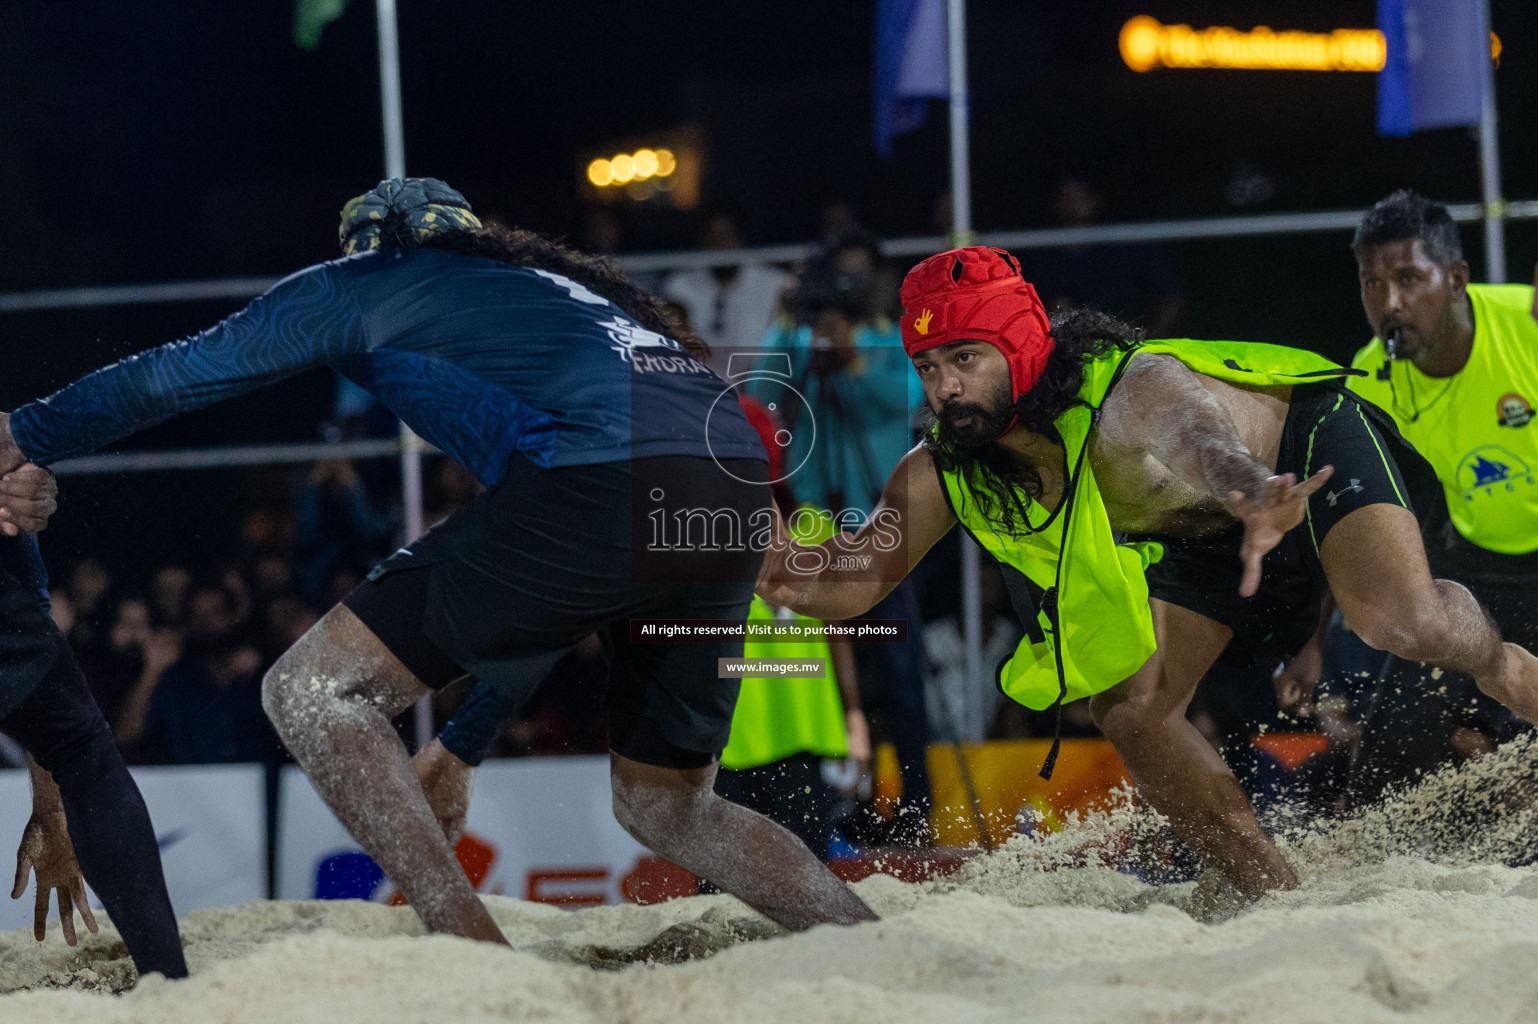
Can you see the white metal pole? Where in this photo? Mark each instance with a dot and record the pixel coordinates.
(961, 234)
(1490, 168)
(390, 91)
(395, 167)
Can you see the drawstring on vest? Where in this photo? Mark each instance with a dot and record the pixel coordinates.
(1049, 599)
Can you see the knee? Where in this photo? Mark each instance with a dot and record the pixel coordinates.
(658, 816)
(283, 691)
(1123, 716)
(1412, 628)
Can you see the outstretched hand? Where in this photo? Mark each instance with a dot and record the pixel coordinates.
(28, 496)
(1283, 504)
(46, 849)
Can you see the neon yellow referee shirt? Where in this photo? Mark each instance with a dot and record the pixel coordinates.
(1477, 427)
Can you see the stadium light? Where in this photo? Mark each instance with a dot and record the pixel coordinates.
(1146, 44)
(623, 168)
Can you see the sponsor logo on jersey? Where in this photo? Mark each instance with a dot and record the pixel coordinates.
(1334, 496)
(1490, 468)
(1513, 410)
(663, 355)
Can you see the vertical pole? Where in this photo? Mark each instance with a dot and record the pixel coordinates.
(390, 91)
(395, 167)
(961, 234)
(1490, 167)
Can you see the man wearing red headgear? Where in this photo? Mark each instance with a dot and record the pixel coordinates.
(1144, 503)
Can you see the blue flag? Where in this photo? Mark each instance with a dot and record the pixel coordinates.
(1434, 74)
(911, 66)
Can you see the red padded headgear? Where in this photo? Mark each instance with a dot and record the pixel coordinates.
(978, 293)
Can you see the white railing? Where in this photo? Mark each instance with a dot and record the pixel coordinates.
(1034, 238)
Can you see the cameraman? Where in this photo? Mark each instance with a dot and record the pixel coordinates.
(848, 363)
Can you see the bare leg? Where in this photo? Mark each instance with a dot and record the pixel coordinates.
(1175, 769)
(331, 697)
(1376, 565)
(677, 814)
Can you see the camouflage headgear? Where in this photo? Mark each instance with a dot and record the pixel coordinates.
(402, 208)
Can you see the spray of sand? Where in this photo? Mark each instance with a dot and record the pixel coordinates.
(1424, 908)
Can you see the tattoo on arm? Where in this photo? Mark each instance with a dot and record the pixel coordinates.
(1161, 408)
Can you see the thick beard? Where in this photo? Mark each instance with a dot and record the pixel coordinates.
(988, 421)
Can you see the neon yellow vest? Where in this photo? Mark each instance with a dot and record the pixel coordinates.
(1477, 428)
(1097, 593)
(776, 718)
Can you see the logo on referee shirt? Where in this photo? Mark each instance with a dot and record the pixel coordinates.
(1491, 469)
(1513, 410)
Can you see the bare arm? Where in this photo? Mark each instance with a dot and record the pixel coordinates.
(1162, 410)
(45, 792)
(847, 574)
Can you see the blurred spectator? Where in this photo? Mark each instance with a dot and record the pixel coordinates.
(168, 595)
(847, 361)
(838, 221)
(204, 706)
(62, 610)
(729, 306)
(271, 577)
(112, 668)
(85, 588)
(339, 532)
(854, 426)
(1134, 282)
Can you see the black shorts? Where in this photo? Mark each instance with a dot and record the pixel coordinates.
(510, 583)
(1325, 426)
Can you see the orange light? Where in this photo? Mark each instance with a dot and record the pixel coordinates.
(1145, 44)
(600, 172)
(645, 164)
(623, 166)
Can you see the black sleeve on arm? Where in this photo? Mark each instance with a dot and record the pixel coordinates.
(306, 319)
(473, 730)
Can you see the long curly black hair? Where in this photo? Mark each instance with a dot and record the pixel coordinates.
(525, 248)
(1003, 485)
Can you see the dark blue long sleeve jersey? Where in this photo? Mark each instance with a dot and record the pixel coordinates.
(481, 358)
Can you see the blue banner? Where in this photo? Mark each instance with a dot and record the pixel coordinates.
(1434, 73)
(909, 68)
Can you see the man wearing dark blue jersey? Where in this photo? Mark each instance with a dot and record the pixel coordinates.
(559, 385)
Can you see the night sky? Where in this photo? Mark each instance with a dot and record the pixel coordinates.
(174, 140)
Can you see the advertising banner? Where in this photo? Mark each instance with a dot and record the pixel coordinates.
(209, 821)
(540, 829)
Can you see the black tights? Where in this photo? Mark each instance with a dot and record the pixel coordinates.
(64, 731)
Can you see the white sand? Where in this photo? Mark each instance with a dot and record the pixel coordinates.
(1405, 915)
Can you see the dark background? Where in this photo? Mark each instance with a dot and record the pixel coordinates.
(176, 140)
